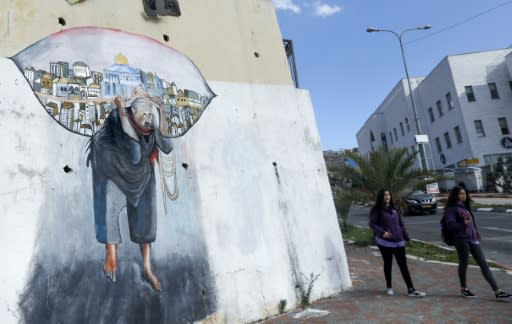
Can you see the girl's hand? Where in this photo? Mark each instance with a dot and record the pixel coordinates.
(387, 235)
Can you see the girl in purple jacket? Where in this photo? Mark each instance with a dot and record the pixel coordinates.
(390, 236)
(461, 222)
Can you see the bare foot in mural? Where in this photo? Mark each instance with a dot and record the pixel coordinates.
(110, 265)
(148, 273)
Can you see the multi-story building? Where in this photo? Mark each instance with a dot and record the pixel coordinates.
(464, 105)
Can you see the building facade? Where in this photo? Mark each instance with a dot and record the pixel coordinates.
(464, 105)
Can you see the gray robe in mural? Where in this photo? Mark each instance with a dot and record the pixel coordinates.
(122, 165)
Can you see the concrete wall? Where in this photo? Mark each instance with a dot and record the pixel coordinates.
(254, 214)
(221, 36)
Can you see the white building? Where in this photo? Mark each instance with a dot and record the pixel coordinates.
(464, 105)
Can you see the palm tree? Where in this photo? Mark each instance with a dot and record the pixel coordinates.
(393, 169)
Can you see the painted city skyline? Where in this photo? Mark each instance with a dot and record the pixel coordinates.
(78, 89)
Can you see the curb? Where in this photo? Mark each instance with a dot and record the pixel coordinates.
(494, 209)
(506, 268)
(481, 209)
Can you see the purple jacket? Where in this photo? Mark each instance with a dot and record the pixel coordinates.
(388, 220)
(455, 222)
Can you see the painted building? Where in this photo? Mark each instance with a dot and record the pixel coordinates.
(464, 106)
(237, 219)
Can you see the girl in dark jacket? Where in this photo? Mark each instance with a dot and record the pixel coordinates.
(390, 236)
(461, 222)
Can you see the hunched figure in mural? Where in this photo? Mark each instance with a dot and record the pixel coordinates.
(122, 155)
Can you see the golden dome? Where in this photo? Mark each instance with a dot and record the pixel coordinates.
(120, 59)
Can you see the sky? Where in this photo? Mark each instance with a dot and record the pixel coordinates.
(349, 72)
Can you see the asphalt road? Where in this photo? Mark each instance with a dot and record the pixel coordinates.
(495, 229)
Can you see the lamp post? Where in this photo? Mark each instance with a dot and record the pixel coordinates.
(416, 119)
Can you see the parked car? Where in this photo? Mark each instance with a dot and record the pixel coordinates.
(420, 202)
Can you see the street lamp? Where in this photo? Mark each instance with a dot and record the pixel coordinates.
(416, 119)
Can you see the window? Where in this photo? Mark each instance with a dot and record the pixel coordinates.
(402, 128)
(510, 84)
(152, 8)
(458, 134)
(396, 134)
(431, 114)
(407, 124)
(469, 93)
(438, 145)
(372, 140)
(503, 126)
(413, 150)
(494, 90)
(479, 128)
(391, 137)
(447, 140)
(449, 101)
(439, 108)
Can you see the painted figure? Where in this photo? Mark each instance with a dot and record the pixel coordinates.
(122, 156)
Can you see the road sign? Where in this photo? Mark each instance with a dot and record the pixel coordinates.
(432, 188)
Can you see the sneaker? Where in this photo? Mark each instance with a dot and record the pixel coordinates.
(502, 295)
(466, 293)
(416, 293)
(390, 292)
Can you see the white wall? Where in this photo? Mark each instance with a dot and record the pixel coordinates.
(433, 88)
(393, 110)
(477, 70)
(263, 225)
(452, 74)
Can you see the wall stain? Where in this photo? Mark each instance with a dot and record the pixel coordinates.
(31, 173)
(276, 172)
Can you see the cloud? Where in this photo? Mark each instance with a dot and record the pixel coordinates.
(318, 7)
(325, 10)
(288, 5)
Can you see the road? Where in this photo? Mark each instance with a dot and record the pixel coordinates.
(495, 229)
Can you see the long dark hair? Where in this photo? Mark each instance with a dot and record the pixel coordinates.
(453, 198)
(379, 203)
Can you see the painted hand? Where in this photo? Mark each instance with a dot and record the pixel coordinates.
(120, 105)
(156, 117)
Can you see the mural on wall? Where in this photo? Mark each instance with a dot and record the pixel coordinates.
(80, 94)
(131, 95)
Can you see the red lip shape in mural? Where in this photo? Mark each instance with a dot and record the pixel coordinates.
(106, 84)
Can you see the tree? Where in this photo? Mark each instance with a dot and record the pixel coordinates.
(393, 169)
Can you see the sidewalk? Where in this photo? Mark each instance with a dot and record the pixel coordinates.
(367, 303)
